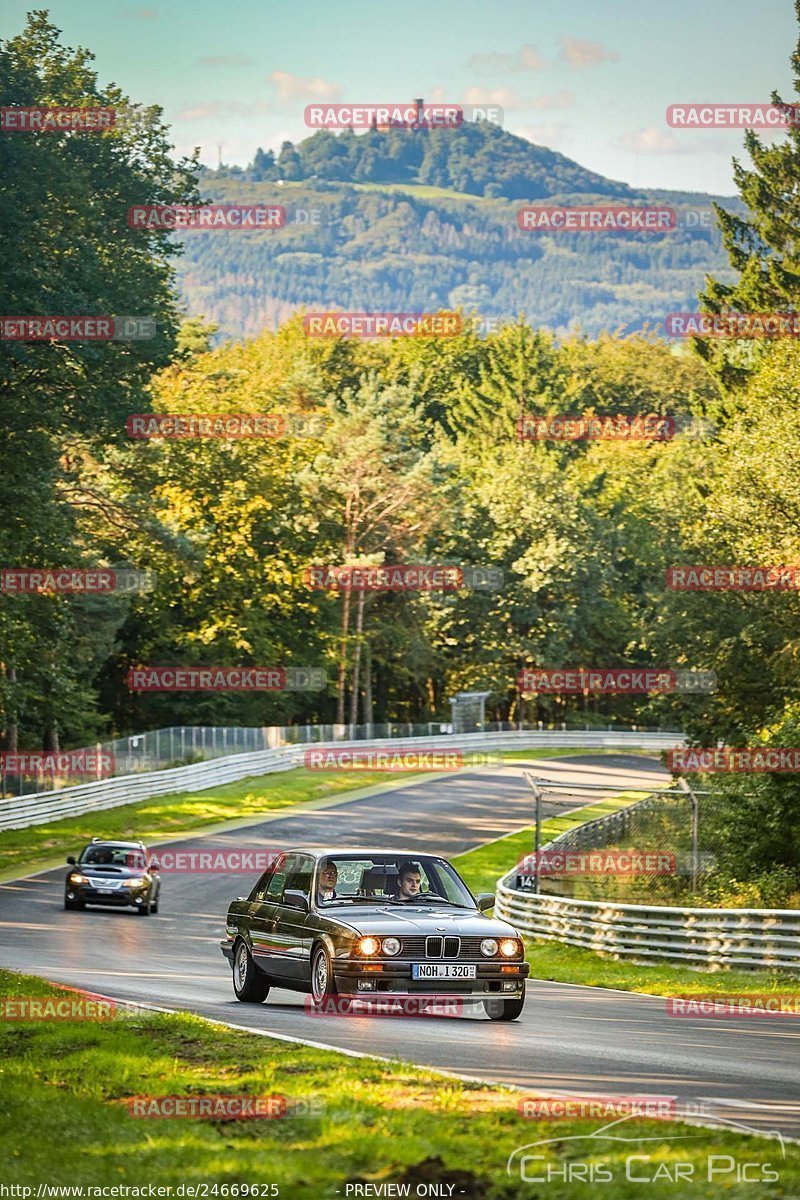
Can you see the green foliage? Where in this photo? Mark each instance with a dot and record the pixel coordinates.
(762, 246)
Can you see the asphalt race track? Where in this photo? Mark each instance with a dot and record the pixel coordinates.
(576, 1039)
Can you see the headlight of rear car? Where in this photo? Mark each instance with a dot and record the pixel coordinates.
(390, 945)
(135, 882)
(488, 947)
(78, 879)
(509, 947)
(368, 946)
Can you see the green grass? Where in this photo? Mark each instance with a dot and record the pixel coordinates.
(422, 191)
(552, 960)
(63, 1120)
(186, 812)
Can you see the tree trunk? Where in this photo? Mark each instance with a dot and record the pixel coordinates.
(340, 686)
(368, 717)
(10, 740)
(357, 658)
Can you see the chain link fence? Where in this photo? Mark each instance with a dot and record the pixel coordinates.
(671, 847)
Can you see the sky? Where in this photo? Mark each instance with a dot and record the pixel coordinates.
(591, 79)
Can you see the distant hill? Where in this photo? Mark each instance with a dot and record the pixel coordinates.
(480, 159)
(417, 220)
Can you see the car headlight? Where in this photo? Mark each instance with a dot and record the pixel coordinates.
(488, 947)
(368, 946)
(135, 882)
(390, 945)
(78, 879)
(509, 947)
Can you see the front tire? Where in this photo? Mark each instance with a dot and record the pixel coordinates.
(322, 982)
(144, 909)
(74, 905)
(498, 1009)
(249, 984)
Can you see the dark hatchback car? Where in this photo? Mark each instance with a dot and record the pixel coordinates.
(116, 874)
(361, 922)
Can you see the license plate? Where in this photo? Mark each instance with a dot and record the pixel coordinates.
(442, 971)
(105, 891)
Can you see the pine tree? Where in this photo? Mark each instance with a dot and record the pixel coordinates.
(763, 247)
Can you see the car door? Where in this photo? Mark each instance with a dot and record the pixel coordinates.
(292, 935)
(262, 916)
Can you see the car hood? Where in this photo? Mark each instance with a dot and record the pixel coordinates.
(383, 921)
(101, 872)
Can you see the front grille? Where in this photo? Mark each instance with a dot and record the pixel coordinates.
(436, 947)
(114, 884)
(417, 949)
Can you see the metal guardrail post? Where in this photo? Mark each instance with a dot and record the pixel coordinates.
(684, 786)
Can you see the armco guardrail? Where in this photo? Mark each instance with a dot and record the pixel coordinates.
(21, 812)
(710, 937)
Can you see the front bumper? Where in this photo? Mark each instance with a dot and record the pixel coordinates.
(118, 898)
(373, 976)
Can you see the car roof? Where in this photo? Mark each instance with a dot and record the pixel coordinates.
(119, 845)
(361, 852)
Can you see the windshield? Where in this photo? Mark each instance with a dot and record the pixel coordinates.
(122, 857)
(390, 879)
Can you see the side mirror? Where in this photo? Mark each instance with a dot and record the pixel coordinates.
(484, 900)
(296, 900)
(153, 868)
(71, 859)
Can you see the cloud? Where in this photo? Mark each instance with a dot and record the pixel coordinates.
(652, 140)
(226, 60)
(209, 109)
(544, 135)
(298, 87)
(581, 53)
(560, 99)
(527, 58)
(508, 98)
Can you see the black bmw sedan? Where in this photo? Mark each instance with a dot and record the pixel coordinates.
(373, 923)
(116, 874)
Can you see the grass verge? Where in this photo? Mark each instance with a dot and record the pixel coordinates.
(63, 1121)
(482, 868)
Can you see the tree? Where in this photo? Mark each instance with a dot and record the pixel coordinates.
(68, 250)
(763, 247)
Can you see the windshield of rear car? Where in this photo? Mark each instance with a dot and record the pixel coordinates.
(375, 879)
(122, 857)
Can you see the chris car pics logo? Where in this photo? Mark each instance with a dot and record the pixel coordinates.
(550, 1161)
